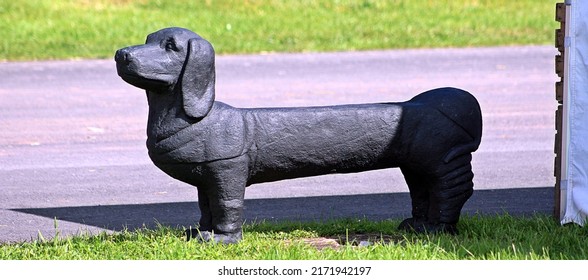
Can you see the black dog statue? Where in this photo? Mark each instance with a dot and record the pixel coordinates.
(221, 149)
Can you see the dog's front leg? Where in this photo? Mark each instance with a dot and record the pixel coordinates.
(205, 214)
(221, 199)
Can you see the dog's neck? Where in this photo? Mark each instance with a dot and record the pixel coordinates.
(166, 115)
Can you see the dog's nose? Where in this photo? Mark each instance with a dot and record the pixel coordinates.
(122, 56)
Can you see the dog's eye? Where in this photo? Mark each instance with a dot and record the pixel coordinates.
(170, 45)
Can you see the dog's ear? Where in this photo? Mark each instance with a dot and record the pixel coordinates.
(198, 78)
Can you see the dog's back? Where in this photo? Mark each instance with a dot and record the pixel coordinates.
(298, 142)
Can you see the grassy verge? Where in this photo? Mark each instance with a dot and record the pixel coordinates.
(57, 29)
(481, 238)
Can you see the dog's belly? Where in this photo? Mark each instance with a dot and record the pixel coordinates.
(300, 142)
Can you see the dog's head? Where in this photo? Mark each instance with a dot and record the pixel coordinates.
(172, 60)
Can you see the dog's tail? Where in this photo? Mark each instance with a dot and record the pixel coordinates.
(463, 109)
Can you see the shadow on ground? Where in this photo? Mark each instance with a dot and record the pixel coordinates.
(516, 202)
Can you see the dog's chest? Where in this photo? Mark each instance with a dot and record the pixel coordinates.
(220, 135)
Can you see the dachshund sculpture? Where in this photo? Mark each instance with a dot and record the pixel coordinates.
(221, 149)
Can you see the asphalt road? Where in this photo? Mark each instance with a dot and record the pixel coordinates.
(73, 156)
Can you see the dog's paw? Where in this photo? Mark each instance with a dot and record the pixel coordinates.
(446, 228)
(209, 236)
(422, 226)
(412, 225)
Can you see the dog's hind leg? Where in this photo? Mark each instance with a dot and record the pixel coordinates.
(438, 196)
(419, 195)
(452, 189)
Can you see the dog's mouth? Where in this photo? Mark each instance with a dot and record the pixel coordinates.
(140, 81)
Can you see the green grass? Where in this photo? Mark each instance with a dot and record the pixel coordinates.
(58, 29)
(481, 238)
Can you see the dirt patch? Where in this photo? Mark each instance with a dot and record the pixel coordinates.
(358, 239)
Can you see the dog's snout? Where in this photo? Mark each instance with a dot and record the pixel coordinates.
(122, 56)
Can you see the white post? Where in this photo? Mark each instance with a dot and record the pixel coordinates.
(574, 130)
